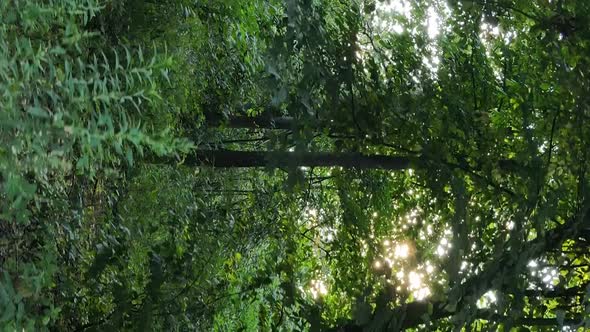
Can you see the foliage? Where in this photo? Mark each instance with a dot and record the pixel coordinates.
(71, 113)
(112, 219)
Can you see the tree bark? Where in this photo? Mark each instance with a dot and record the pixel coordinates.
(256, 122)
(277, 159)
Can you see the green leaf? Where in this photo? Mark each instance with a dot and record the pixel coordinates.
(38, 112)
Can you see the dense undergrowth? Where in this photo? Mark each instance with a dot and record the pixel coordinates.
(75, 83)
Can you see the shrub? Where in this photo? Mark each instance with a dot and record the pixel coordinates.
(70, 102)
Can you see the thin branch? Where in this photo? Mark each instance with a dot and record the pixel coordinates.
(529, 321)
(247, 140)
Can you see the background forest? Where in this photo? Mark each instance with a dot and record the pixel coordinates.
(294, 165)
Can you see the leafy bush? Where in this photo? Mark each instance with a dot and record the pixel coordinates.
(71, 103)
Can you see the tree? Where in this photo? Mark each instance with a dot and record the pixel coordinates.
(294, 165)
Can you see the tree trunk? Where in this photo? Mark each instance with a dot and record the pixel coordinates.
(256, 122)
(226, 158)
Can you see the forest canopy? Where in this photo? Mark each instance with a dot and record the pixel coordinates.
(294, 165)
